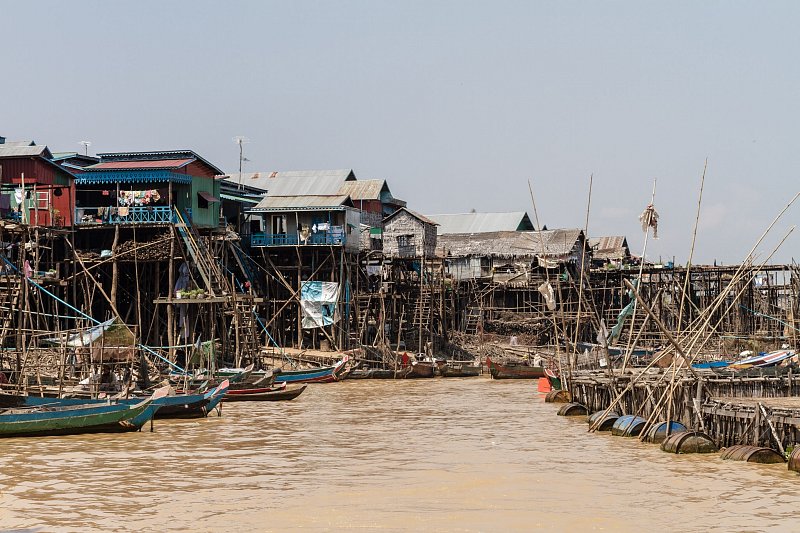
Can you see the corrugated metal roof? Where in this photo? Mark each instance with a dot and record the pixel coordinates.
(16, 144)
(303, 201)
(550, 243)
(239, 198)
(482, 222)
(137, 165)
(610, 247)
(414, 214)
(12, 150)
(294, 182)
(364, 189)
(160, 155)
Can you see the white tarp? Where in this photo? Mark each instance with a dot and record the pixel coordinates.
(82, 338)
(319, 299)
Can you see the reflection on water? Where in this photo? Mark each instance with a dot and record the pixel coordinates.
(444, 454)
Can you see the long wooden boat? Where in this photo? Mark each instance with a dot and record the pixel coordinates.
(75, 419)
(514, 370)
(175, 406)
(454, 369)
(254, 390)
(284, 393)
(327, 374)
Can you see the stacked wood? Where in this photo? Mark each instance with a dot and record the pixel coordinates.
(153, 249)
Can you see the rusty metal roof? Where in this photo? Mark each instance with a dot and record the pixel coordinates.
(143, 164)
(610, 247)
(364, 189)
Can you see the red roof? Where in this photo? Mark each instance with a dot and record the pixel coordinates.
(129, 165)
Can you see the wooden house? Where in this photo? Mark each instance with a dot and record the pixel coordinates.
(408, 235)
(304, 220)
(610, 250)
(35, 190)
(375, 201)
(148, 188)
(510, 256)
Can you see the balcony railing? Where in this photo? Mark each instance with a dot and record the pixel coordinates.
(292, 239)
(162, 214)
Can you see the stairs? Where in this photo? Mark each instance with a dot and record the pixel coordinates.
(204, 261)
(473, 320)
(245, 329)
(10, 290)
(246, 265)
(423, 314)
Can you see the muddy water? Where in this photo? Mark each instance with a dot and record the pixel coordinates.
(455, 455)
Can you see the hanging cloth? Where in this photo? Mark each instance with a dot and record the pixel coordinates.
(649, 219)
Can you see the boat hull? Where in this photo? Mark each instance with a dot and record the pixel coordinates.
(421, 370)
(78, 419)
(459, 370)
(514, 371)
(289, 392)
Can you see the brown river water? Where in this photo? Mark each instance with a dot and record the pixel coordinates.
(466, 454)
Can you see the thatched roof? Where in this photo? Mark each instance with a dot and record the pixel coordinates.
(506, 244)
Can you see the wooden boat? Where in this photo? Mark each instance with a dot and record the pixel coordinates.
(400, 373)
(421, 369)
(455, 369)
(764, 360)
(360, 373)
(75, 419)
(514, 370)
(327, 374)
(280, 393)
(613, 351)
(215, 396)
(175, 406)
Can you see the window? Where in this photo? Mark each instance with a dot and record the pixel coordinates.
(278, 224)
(405, 241)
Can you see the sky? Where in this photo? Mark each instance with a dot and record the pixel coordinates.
(459, 105)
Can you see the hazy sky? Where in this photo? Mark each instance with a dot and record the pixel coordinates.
(457, 104)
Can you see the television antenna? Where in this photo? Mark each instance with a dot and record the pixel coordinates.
(86, 145)
(241, 141)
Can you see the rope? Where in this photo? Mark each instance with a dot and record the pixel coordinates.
(97, 322)
(778, 320)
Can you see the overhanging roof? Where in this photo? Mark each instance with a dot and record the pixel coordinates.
(207, 196)
(132, 176)
(304, 202)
